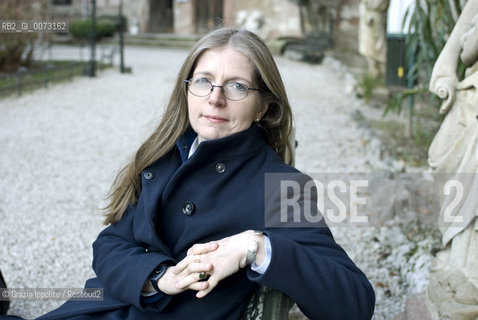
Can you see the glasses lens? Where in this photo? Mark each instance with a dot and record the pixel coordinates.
(235, 90)
(200, 87)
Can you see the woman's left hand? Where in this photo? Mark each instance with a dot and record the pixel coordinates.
(227, 259)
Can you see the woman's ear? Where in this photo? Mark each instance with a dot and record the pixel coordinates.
(262, 111)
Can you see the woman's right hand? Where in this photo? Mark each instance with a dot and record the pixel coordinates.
(168, 282)
(189, 275)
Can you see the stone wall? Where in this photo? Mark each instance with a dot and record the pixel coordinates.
(183, 17)
(136, 12)
(346, 26)
(345, 40)
(274, 18)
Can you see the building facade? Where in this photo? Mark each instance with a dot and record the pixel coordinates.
(271, 19)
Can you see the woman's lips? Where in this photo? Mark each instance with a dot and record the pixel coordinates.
(215, 119)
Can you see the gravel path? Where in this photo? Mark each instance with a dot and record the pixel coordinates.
(62, 146)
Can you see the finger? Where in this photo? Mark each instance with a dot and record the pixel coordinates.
(183, 264)
(199, 267)
(199, 286)
(201, 248)
(177, 269)
(202, 293)
(212, 283)
(196, 268)
(190, 279)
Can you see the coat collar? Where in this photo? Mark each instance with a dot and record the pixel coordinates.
(235, 145)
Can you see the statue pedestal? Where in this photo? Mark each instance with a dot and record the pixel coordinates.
(452, 288)
(454, 296)
(415, 309)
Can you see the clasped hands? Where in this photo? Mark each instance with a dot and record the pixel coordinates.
(206, 264)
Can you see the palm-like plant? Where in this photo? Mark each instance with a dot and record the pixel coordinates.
(430, 23)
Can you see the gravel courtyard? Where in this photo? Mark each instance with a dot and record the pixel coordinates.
(62, 146)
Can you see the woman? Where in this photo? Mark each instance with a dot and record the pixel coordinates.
(180, 244)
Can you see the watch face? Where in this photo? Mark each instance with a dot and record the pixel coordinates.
(158, 273)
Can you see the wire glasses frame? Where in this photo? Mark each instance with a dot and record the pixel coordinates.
(234, 91)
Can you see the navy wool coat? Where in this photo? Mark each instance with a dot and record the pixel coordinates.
(216, 193)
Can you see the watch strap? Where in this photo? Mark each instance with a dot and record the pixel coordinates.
(157, 274)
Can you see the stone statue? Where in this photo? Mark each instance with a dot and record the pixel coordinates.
(251, 20)
(453, 286)
(372, 40)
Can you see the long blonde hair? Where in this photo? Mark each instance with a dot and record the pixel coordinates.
(276, 123)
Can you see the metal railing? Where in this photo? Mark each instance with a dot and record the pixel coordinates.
(24, 79)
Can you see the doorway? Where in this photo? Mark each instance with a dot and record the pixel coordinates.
(208, 15)
(160, 16)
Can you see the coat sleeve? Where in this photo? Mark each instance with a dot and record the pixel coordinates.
(311, 268)
(123, 265)
(314, 271)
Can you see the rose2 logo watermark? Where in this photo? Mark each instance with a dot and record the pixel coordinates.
(345, 199)
(329, 191)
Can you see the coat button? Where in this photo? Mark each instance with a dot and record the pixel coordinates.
(220, 167)
(148, 175)
(188, 208)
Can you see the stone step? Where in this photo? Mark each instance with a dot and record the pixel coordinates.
(161, 40)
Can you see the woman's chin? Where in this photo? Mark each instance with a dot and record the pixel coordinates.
(211, 135)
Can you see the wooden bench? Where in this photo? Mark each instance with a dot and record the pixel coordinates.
(267, 303)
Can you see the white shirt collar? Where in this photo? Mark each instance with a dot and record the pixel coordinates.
(193, 148)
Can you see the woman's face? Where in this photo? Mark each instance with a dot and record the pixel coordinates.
(214, 116)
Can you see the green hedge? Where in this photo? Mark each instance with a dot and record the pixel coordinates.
(81, 29)
(114, 19)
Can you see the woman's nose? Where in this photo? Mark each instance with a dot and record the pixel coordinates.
(217, 97)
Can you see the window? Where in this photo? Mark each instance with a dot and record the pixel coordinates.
(61, 2)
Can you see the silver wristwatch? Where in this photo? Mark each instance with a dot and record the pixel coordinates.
(251, 254)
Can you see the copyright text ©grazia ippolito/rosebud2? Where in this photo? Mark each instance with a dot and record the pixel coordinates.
(59, 294)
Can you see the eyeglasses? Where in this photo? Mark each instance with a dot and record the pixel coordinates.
(201, 87)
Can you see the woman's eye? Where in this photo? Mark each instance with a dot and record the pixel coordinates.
(200, 81)
(238, 86)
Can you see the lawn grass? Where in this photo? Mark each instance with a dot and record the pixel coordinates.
(42, 74)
